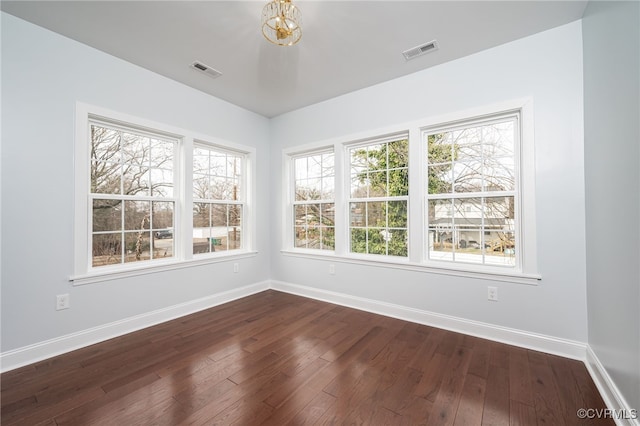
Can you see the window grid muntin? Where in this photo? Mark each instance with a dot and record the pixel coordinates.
(123, 232)
(230, 240)
(324, 230)
(509, 117)
(387, 232)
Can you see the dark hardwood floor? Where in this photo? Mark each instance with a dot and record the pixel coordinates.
(277, 359)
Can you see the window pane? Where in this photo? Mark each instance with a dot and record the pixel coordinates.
(235, 227)
(314, 166)
(301, 170)
(359, 186)
(377, 213)
(467, 177)
(201, 187)
(397, 214)
(499, 174)
(378, 184)
(219, 188)
(358, 240)
(327, 212)
(467, 144)
(328, 188)
(105, 178)
(440, 148)
(107, 215)
(499, 139)
(201, 227)
(398, 182)
(377, 241)
(440, 179)
(308, 189)
(161, 154)
(328, 238)
(162, 248)
(328, 164)
(235, 166)
(161, 182)
(357, 213)
(200, 160)
(218, 164)
(105, 144)
(136, 180)
(397, 242)
(137, 246)
(398, 152)
(162, 215)
(300, 236)
(135, 149)
(377, 157)
(106, 249)
(201, 216)
(137, 215)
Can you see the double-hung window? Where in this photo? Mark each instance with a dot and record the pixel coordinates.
(472, 196)
(152, 197)
(453, 194)
(313, 201)
(218, 199)
(379, 196)
(132, 195)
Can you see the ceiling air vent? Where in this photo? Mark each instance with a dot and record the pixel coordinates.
(414, 52)
(206, 69)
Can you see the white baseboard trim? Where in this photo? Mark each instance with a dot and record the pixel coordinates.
(39, 351)
(553, 345)
(609, 391)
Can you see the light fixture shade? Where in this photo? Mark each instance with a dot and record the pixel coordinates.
(281, 23)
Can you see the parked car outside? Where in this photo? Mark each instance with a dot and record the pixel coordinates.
(164, 233)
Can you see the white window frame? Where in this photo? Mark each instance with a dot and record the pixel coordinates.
(244, 238)
(128, 128)
(83, 272)
(515, 116)
(349, 199)
(291, 196)
(524, 273)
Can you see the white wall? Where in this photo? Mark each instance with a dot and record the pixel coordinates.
(612, 160)
(546, 67)
(43, 75)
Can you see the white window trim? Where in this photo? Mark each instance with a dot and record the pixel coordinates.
(83, 273)
(526, 273)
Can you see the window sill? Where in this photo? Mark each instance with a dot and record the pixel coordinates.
(119, 273)
(400, 263)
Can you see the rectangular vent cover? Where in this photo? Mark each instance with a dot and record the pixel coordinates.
(199, 66)
(414, 52)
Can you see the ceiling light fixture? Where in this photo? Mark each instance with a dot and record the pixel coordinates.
(281, 23)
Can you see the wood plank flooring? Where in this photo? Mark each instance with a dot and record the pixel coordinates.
(278, 359)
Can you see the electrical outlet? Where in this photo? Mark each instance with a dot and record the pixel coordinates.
(492, 293)
(332, 269)
(62, 302)
(236, 268)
